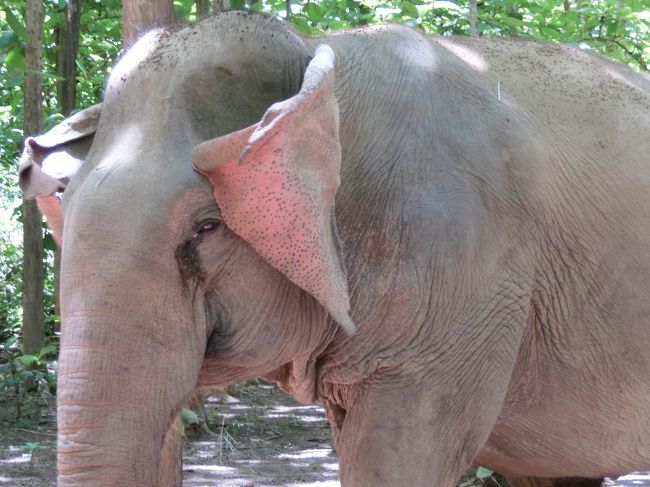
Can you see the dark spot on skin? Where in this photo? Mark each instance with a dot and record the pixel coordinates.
(189, 264)
(224, 70)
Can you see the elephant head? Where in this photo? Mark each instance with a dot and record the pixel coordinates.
(171, 276)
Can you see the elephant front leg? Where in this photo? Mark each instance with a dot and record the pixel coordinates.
(409, 432)
(422, 425)
(171, 456)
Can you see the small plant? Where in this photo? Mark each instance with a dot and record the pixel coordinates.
(28, 369)
(225, 439)
(29, 375)
(33, 369)
(482, 476)
(31, 447)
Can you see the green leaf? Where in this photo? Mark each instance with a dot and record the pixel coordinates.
(612, 28)
(313, 12)
(483, 473)
(15, 61)
(408, 9)
(8, 40)
(28, 360)
(189, 417)
(46, 350)
(16, 25)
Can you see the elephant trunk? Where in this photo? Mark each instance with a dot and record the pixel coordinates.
(128, 362)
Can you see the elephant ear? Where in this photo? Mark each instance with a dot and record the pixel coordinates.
(276, 182)
(49, 161)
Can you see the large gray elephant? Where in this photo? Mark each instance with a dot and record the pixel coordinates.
(446, 241)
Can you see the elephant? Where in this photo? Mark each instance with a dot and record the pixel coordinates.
(443, 240)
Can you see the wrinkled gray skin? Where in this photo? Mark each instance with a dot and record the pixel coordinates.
(493, 214)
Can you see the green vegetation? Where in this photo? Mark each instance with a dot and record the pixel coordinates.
(619, 29)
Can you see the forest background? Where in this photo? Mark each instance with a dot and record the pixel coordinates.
(81, 41)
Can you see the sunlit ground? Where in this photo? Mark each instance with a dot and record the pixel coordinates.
(258, 445)
(635, 479)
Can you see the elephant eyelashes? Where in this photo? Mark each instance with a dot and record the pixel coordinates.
(205, 228)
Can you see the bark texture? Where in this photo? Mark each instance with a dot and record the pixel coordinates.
(33, 321)
(141, 16)
(473, 18)
(68, 48)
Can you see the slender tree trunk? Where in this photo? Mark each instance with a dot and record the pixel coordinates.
(219, 6)
(33, 322)
(473, 18)
(202, 8)
(141, 16)
(67, 61)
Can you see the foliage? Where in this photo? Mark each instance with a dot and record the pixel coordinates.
(100, 45)
(619, 29)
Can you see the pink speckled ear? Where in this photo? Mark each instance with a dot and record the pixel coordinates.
(276, 181)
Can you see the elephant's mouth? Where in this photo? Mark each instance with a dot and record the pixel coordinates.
(217, 323)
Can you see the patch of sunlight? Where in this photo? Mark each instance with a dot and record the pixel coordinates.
(238, 407)
(203, 444)
(311, 453)
(304, 419)
(205, 453)
(23, 458)
(209, 468)
(291, 409)
(227, 415)
(472, 58)
(621, 79)
(326, 483)
(220, 399)
(134, 57)
(630, 480)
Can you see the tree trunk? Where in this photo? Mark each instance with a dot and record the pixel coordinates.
(141, 16)
(67, 59)
(202, 9)
(33, 322)
(219, 6)
(473, 18)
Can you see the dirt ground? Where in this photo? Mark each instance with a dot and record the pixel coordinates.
(261, 438)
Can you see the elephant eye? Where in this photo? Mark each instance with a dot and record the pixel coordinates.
(204, 228)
